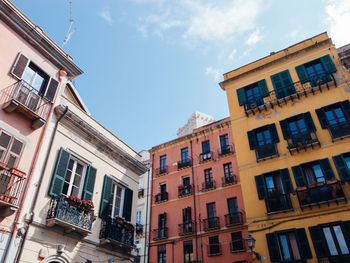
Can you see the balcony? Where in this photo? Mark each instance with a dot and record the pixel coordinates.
(335, 259)
(266, 151)
(204, 157)
(161, 171)
(186, 228)
(237, 246)
(139, 229)
(228, 179)
(117, 234)
(184, 164)
(161, 197)
(24, 99)
(234, 219)
(11, 187)
(211, 223)
(320, 193)
(271, 99)
(141, 193)
(340, 130)
(278, 202)
(225, 150)
(70, 218)
(214, 250)
(302, 141)
(185, 190)
(208, 185)
(160, 233)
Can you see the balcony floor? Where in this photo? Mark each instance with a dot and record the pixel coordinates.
(51, 222)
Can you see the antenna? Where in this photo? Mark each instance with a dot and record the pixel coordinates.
(71, 21)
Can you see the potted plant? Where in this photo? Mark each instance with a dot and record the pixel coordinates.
(74, 201)
(119, 220)
(88, 205)
(17, 172)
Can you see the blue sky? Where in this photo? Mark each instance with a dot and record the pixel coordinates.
(149, 64)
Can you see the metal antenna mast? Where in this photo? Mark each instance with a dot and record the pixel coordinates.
(71, 21)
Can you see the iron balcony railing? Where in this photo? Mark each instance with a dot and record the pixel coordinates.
(11, 188)
(60, 209)
(115, 232)
(278, 202)
(224, 150)
(228, 179)
(214, 250)
(161, 171)
(161, 197)
(160, 233)
(302, 141)
(234, 219)
(208, 185)
(139, 229)
(184, 164)
(335, 259)
(211, 223)
(203, 157)
(185, 190)
(339, 130)
(192, 261)
(320, 193)
(290, 92)
(141, 193)
(186, 228)
(266, 151)
(237, 245)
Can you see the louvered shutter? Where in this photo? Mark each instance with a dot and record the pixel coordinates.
(303, 244)
(342, 168)
(346, 108)
(241, 96)
(20, 66)
(327, 169)
(328, 64)
(274, 134)
(322, 118)
(309, 122)
(263, 88)
(287, 83)
(127, 204)
(318, 241)
(89, 183)
(106, 196)
(59, 174)
(260, 186)
(274, 251)
(278, 86)
(299, 176)
(302, 74)
(51, 89)
(345, 226)
(252, 139)
(285, 129)
(287, 183)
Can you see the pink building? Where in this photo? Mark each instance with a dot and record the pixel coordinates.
(197, 211)
(33, 71)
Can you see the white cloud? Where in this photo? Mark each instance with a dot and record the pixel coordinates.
(254, 38)
(106, 15)
(338, 20)
(232, 55)
(294, 34)
(216, 73)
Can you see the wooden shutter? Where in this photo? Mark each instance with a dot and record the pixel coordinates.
(345, 226)
(309, 122)
(303, 244)
(327, 169)
(274, 251)
(251, 139)
(51, 89)
(260, 186)
(274, 134)
(318, 241)
(346, 108)
(278, 85)
(263, 88)
(106, 196)
(89, 183)
(302, 74)
(287, 82)
(127, 204)
(59, 173)
(285, 129)
(287, 183)
(328, 64)
(342, 168)
(322, 118)
(20, 66)
(299, 176)
(241, 96)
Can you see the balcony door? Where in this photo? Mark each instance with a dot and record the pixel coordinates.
(211, 210)
(232, 206)
(117, 200)
(184, 155)
(161, 225)
(75, 176)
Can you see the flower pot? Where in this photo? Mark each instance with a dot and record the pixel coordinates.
(17, 173)
(302, 188)
(333, 181)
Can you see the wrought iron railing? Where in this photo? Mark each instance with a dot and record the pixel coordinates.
(339, 130)
(266, 151)
(161, 197)
(11, 187)
(214, 249)
(211, 223)
(114, 231)
(335, 259)
(208, 185)
(186, 228)
(160, 233)
(60, 209)
(237, 245)
(184, 164)
(302, 141)
(295, 91)
(224, 150)
(319, 193)
(203, 157)
(161, 171)
(228, 179)
(139, 229)
(185, 190)
(278, 202)
(234, 219)
(192, 261)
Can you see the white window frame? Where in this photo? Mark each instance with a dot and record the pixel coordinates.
(113, 213)
(81, 186)
(7, 151)
(138, 217)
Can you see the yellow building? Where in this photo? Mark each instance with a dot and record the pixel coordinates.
(290, 115)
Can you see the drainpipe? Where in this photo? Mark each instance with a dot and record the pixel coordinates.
(20, 249)
(150, 213)
(144, 251)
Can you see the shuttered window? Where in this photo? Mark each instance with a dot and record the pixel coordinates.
(262, 136)
(283, 84)
(342, 163)
(253, 94)
(334, 114)
(10, 149)
(298, 128)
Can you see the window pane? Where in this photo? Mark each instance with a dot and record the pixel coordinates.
(11, 161)
(347, 161)
(4, 140)
(341, 241)
(284, 247)
(330, 241)
(294, 246)
(16, 147)
(28, 75)
(318, 173)
(269, 183)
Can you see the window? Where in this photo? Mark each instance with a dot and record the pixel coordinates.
(214, 246)
(289, 246)
(205, 147)
(313, 173)
(10, 149)
(186, 181)
(224, 143)
(253, 94)
(228, 171)
(335, 115)
(74, 179)
(283, 84)
(162, 188)
(237, 242)
(184, 155)
(211, 210)
(117, 200)
(138, 217)
(163, 162)
(342, 163)
(188, 251)
(232, 206)
(335, 240)
(36, 78)
(162, 254)
(208, 175)
(187, 226)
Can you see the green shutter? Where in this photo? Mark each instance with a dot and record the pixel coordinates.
(274, 251)
(274, 134)
(278, 85)
(327, 169)
(299, 176)
(303, 244)
(287, 183)
(106, 196)
(342, 168)
(318, 241)
(302, 74)
(285, 129)
(287, 83)
(345, 226)
(241, 96)
(346, 108)
(263, 88)
(59, 173)
(89, 183)
(127, 204)
(328, 63)
(322, 118)
(251, 139)
(260, 186)
(309, 122)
